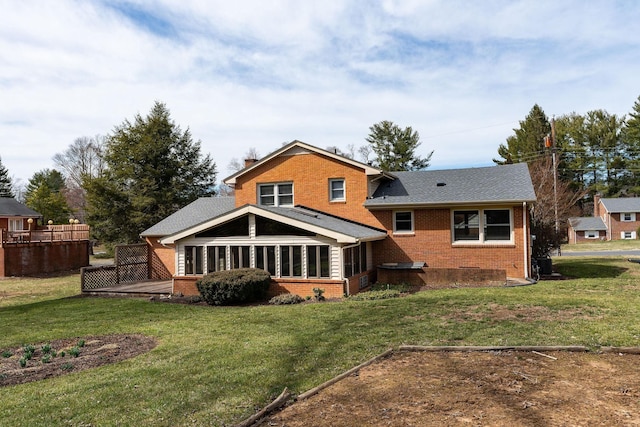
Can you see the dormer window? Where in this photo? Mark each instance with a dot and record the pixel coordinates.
(278, 194)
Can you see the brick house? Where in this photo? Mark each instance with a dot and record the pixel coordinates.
(14, 216)
(313, 218)
(613, 219)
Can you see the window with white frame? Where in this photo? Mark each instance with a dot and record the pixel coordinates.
(627, 216)
(278, 194)
(193, 259)
(216, 258)
(318, 261)
(337, 190)
(16, 224)
(240, 257)
(482, 225)
(628, 235)
(291, 261)
(266, 258)
(592, 234)
(403, 222)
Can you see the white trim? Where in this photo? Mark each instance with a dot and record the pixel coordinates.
(344, 190)
(632, 217)
(413, 222)
(481, 241)
(299, 147)
(257, 210)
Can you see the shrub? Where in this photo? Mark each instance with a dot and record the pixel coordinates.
(317, 294)
(234, 286)
(400, 287)
(283, 299)
(374, 295)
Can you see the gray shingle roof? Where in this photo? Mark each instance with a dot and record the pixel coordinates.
(329, 222)
(622, 204)
(587, 224)
(493, 184)
(11, 207)
(201, 210)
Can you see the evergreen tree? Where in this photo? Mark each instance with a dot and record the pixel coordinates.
(5, 182)
(153, 169)
(631, 138)
(45, 194)
(528, 142)
(395, 148)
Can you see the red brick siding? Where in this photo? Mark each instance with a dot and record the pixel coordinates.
(186, 285)
(431, 243)
(618, 226)
(310, 174)
(162, 262)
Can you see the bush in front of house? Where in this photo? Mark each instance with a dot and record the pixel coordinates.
(283, 299)
(234, 286)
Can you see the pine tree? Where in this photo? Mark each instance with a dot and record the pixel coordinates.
(395, 148)
(528, 142)
(153, 169)
(5, 182)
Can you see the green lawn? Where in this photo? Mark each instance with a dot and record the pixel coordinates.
(215, 366)
(599, 245)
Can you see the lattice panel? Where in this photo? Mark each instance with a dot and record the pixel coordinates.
(131, 254)
(98, 277)
(132, 273)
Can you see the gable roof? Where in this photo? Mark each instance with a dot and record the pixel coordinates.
(191, 215)
(485, 185)
(341, 230)
(587, 224)
(622, 204)
(11, 207)
(299, 147)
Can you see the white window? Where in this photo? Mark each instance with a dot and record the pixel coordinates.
(403, 222)
(336, 190)
(628, 235)
(628, 217)
(15, 224)
(482, 225)
(592, 234)
(280, 194)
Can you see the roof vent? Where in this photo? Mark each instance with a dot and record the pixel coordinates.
(441, 184)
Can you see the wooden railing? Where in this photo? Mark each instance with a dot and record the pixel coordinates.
(53, 233)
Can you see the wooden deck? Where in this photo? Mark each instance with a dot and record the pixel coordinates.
(139, 289)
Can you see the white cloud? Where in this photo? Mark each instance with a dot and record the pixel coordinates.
(257, 74)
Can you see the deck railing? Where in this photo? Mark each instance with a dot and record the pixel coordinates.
(53, 233)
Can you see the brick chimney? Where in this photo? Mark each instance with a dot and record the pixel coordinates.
(249, 162)
(596, 205)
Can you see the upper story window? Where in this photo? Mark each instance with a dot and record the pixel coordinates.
(482, 225)
(628, 217)
(337, 190)
(278, 194)
(403, 222)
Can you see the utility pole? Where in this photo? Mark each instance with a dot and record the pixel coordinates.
(550, 142)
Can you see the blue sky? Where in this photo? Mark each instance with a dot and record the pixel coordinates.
(256, 74)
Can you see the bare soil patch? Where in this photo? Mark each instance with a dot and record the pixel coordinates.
(60, 357)
(504, 388)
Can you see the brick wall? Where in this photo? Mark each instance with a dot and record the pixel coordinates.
(310, 174)
(37, 258)
(431, 243)
(618, 226)
(162, 262)
(436, 278)
(186, 285)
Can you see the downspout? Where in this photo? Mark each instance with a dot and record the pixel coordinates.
(527, 241)
(345, 286)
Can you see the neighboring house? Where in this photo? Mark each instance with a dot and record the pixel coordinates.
(27, 249)
(14, 216)
(313, 218)
(586, 229)
(613, 219)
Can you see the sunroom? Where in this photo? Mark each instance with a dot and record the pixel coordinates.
(301, 248)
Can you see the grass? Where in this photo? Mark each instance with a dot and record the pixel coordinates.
(215, 366)
(600, 245)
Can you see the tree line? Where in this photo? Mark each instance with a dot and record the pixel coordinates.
(148, 168)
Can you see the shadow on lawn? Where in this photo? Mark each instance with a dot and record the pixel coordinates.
(592, 269)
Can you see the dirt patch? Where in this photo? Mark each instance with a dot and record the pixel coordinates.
(503, 388)
(60, 357)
